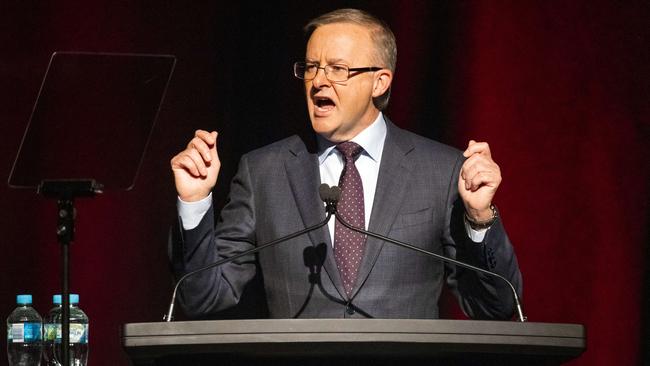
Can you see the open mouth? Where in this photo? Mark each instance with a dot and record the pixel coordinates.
(323, 104)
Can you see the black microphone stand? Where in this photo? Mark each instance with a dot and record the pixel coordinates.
(330, 211)
(520, 313)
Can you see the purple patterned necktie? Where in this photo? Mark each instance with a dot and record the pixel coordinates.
(349, 245)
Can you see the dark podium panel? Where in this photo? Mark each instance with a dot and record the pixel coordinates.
(352, 342)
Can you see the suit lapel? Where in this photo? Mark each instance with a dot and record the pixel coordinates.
(394, 171)
(304, 179)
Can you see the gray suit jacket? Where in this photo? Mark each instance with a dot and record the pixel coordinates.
(275, 193)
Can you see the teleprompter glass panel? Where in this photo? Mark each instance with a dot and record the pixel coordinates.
(92, 119)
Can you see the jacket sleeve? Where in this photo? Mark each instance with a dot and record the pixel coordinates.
(481, 296)
(221, 287)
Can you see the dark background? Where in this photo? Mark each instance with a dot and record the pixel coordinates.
(559, 89)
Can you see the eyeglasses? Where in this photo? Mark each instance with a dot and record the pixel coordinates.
(335, 73)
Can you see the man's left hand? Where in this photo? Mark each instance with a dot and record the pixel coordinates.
(479, 179)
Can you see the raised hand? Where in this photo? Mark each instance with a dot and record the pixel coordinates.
(197, 167)
(479, 179)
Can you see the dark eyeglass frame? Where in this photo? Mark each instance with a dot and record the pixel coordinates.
(357, 70)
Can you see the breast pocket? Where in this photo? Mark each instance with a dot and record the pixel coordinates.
(409, 219)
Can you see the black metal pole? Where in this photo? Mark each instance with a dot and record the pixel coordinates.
(65, 303)
(65, 191)
(65, 233)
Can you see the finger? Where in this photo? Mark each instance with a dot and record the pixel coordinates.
(475, 163)
(481, 179)
(210, 138)
(213, 149)
(477, 148)
(481, 162)
(191, 161)
(470, 172)
(201, 146)
(184, 162)
(199, 162)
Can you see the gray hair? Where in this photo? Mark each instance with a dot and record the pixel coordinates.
(380, 34)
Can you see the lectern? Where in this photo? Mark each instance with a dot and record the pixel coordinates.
(352, 342)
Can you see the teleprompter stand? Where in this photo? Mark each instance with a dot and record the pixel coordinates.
(93, 118)
(65, 191)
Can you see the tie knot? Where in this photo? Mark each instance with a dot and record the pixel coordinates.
(349, 149)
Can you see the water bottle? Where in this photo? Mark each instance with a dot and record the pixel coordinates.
(78, 333)
(50, 331)
(24, 334)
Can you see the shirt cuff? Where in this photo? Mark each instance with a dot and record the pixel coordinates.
(477, 236)
(191, 213)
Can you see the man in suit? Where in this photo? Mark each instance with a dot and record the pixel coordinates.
(393, 182)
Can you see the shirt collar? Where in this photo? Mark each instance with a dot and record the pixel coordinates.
(371, 139)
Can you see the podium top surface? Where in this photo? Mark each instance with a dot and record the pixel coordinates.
(395, 337)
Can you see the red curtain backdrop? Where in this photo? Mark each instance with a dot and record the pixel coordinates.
(560, 90)
(561, 93)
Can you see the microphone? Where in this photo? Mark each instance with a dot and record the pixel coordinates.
(327, 195)
(330, 196)
(336, 191)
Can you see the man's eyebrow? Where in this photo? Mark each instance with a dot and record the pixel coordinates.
(336, 61)
(329, 61)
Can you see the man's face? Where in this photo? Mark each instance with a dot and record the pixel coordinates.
(340, 110)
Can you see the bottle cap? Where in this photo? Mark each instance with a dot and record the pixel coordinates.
(24, 299)
(74, 299)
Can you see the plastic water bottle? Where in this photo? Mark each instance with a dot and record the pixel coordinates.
(50, 331)
(24, 334)
(78, 333)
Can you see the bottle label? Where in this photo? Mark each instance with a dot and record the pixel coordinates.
(50, 332)
(24, 332)
(78, 333)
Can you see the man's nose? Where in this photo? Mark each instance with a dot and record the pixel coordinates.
(320, 79)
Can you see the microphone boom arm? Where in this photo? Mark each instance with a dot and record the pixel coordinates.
(520, 313)
(170, 312)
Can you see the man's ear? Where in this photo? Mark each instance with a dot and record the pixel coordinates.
(383, 79)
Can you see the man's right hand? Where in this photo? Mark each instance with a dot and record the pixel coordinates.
(196, 168)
